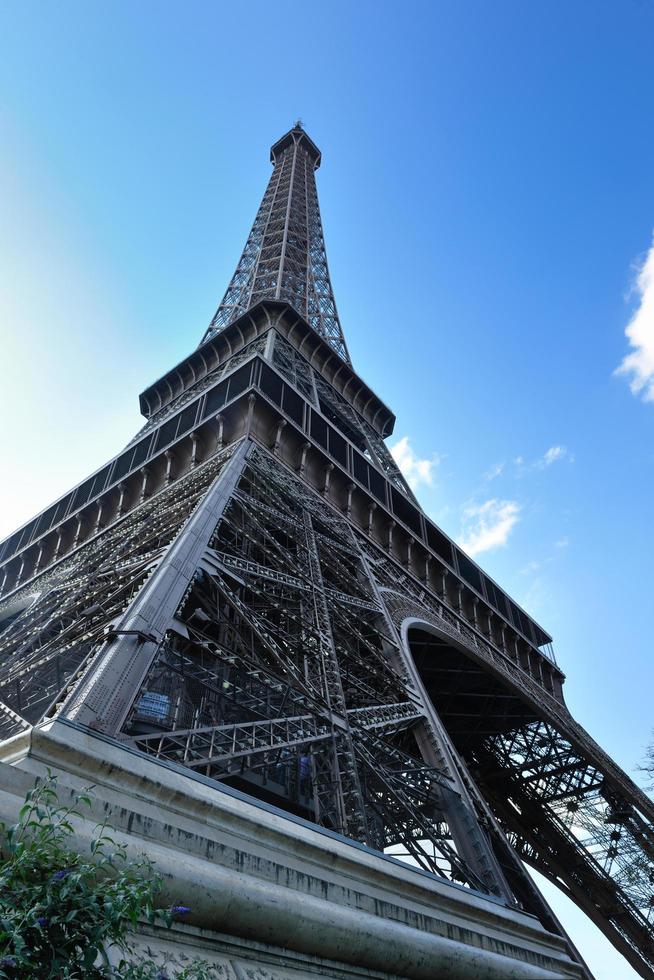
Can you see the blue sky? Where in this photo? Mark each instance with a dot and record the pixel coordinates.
(488, 199)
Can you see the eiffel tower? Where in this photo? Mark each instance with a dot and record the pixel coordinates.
(248, 601)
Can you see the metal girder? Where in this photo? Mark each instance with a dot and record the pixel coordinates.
(206, 744)
(325, 667)
(265, 605)
(10, 722)
(284, 257)
(56, 632)
(219, 745)
(103, 698)
(564, 817)
(276, 665)
(385, 717)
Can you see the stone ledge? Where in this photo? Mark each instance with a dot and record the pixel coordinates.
(250, 871)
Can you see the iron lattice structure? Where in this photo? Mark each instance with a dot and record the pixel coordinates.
(249, 590)
(284, 257)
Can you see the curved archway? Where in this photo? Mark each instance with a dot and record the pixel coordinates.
(546, 784)
(465, 702)
(470, 699)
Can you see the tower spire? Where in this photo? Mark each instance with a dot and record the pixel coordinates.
(284, 257)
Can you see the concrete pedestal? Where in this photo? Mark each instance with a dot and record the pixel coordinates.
(274, 897)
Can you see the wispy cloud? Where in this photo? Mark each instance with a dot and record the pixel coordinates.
(554, 455)
(488, 525)
(638, 366)
(493, 472)
(417, 471)
(536, 567)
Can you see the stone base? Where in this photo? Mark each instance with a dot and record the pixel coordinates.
(274, 897)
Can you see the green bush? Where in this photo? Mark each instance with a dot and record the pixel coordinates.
(59, 913)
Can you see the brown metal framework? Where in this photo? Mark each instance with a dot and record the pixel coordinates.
(284, 257)
(249, 590)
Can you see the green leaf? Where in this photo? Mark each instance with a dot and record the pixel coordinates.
(95, 903)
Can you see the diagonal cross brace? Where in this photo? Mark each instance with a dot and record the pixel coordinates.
(104, 697)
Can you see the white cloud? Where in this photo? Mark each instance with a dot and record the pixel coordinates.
(562, 543)
(488, 525)
(553, 455)
(639, 364)
(493, 472)
(415, 470)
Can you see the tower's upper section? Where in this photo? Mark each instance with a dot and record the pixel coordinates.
(284, 257)
(295, 135)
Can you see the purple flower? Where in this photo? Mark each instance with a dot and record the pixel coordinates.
(58, 875)
(180, 910)
(160, 975)
(41, 921)
(8, 961)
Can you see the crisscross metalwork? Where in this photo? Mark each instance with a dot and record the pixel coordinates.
(284, 257)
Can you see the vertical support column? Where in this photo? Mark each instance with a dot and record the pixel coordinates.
(219, 439)
(97, 527)
(103, 698)
(278, 436)
(121, 499)
(328, 473)
(170, 459)
(371, 515)
(350, 493)
(144, 483)
(194, 450)
(349, 797)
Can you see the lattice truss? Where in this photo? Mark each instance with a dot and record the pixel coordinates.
(564, 805)
(284, 257)
(281, 673)
(50, 631)
(282, 676)
(568, 818)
